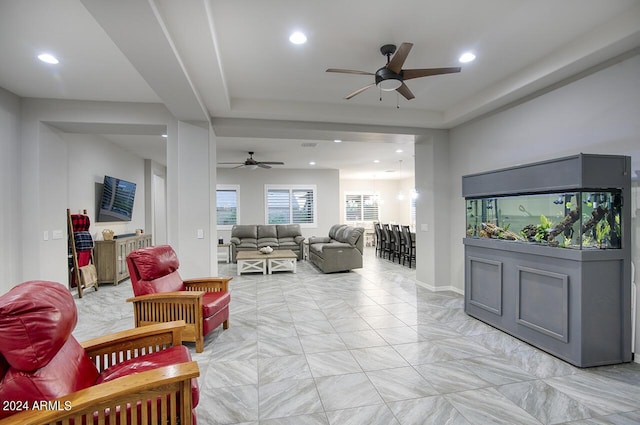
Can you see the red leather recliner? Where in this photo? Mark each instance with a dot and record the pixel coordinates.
(41, 361)
(162, 295)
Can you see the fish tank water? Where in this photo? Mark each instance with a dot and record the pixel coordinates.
(587, 219)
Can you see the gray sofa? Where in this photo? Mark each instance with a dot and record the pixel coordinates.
(340, 251)
(251, 237)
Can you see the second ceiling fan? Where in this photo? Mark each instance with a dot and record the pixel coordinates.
(252, 163)
(392, 76)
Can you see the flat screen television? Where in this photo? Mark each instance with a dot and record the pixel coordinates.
(116, 202)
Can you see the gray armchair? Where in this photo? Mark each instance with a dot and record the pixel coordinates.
(340, 251)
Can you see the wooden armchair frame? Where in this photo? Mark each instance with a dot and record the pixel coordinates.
(180, 305)
(170, 385)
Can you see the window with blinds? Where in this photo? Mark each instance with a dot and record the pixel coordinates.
(361, 207)
(291, 204)
(227, 205)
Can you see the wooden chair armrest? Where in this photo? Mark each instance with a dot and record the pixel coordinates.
(167, 306)
(156, 384)
(209, 284)
(166, 296)
(111, 349)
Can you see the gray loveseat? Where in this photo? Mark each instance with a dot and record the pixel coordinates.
(340, 251)
(251, 237)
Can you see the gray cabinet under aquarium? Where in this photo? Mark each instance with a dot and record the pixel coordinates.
(547, 255)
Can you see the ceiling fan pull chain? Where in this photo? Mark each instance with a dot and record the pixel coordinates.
(397, 101)
(380, 94)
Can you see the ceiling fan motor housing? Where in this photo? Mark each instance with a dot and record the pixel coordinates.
(388, 80)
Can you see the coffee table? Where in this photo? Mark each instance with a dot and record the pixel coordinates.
(255, 261)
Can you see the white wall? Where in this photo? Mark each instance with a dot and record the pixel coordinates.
(390, 209)
(597, 114)
(194, 201)
(407, 187)
(432, 210)
(10, 237)
(89, 158)
(158, 194)
(252, 184)
(44, 176)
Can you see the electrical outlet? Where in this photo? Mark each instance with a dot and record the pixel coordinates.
(45, 235)
(424, 227)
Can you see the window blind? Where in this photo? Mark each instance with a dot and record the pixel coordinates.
(227, 207)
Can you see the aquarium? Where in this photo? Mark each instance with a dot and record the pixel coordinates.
(586, 219)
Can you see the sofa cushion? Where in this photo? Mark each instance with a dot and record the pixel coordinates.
(352, 234)
(286, 240)
(36, 319)
(335, 229)
(289, 244)
(248, 243)
(168, 357)
(212, 302)
(288, 231)
(267, 236)
(272, 242)
(267, 231)
(242, 231)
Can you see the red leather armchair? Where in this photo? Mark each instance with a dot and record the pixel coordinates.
(162, 295)
(139, 376)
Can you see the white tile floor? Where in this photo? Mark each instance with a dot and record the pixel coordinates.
(371, 347)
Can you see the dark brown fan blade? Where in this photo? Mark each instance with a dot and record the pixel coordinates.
(263, 165)
(359, 91)
(399, 57)
(404, 90)
(230, 163)
(271, 162)
(349, 71)
(408, 74)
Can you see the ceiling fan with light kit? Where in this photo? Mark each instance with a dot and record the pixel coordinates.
(252, 164)
(391, 76)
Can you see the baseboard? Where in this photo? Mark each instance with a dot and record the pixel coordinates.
(440, 288)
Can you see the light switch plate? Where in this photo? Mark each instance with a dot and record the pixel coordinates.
(424, 227)
(200, 233)
(56, 234)
(45, 235)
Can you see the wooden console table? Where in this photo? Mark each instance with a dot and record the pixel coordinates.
(111, 257)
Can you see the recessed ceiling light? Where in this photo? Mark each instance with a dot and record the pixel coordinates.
(48, 58)
(376, 161)
(165, 136)
(312, 163)
(399, 151)
(337, 141)
(466, 57)
(298, 38)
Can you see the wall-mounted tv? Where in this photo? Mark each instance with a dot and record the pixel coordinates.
(116, 203)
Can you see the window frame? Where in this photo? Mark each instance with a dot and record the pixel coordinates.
(228, 187)
(292, 188)
(362, 195)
